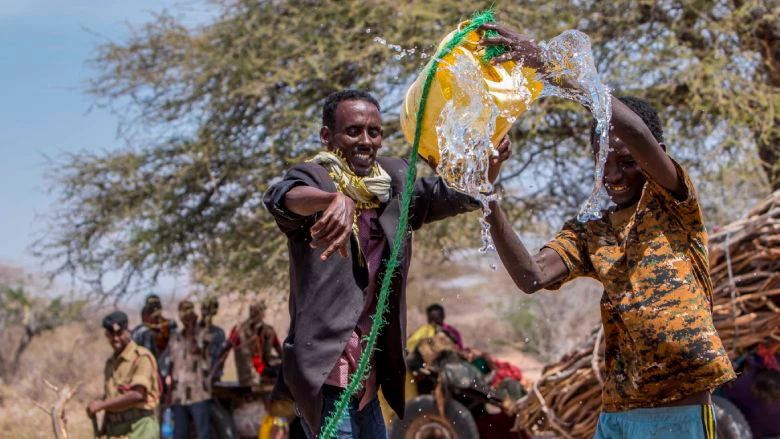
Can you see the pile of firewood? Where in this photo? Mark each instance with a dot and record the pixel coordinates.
(745, 270)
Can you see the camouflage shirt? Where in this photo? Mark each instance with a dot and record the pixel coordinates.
(660, 341)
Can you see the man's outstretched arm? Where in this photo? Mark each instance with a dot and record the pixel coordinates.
(296, 199)
(530, 273)
(334, 228)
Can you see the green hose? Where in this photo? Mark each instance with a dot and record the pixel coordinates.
(361, 373)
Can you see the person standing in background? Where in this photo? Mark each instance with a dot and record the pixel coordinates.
(209, 307)
(132, 386)
(190, 381)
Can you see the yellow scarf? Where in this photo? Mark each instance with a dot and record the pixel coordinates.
(367, 192)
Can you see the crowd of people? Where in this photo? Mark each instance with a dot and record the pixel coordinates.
(161, 364)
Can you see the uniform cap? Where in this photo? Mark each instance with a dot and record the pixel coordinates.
(115, 322)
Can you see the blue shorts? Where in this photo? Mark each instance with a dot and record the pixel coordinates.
(688, 421)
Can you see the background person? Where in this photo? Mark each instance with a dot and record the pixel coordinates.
(191, 382)
(132, 387)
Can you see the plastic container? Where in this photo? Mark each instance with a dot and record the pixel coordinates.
(498, 82)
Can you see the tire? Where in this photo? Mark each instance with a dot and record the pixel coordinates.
(222, 425)
(422, 421)
(731, 423)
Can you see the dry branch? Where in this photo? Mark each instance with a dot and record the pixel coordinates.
(56, 412)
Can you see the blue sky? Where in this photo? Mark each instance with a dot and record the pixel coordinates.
(44, 49)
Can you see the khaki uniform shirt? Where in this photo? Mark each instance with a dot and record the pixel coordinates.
(191, 367)
(135, 366)
(660, 341)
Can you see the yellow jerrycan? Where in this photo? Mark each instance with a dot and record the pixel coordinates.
(498, 82)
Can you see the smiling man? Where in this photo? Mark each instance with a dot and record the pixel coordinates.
(132, 386)
(347, 200)
(663, 356)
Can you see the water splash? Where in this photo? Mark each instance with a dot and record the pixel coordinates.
(467, 122)
(464, 129)
(569, 60)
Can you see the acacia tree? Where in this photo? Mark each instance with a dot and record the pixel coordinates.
(214, 112)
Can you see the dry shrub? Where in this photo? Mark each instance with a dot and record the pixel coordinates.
(72, 354)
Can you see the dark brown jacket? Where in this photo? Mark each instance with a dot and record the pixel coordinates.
(326, 298)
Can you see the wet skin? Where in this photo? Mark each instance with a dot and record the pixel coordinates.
(357, 133)
(623, 178)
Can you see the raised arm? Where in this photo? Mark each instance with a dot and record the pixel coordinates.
(434, 201)
(649, 154)
(529, 272)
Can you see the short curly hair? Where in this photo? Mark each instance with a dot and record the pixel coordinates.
(644, 110)
(332, 102)
(434, 307)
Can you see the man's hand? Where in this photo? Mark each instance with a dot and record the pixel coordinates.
(504, 152)
(518, 47)
(94, 407)
(334, 228)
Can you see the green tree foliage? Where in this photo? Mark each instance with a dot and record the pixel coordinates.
(216, 112)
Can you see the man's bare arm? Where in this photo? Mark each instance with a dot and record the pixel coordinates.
(628, 126)
(530, 273)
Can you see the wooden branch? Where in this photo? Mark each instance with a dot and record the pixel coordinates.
(56, 412)
(39, 405)
(50, 385)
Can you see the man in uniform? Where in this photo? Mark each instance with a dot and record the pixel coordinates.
(132, 387)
